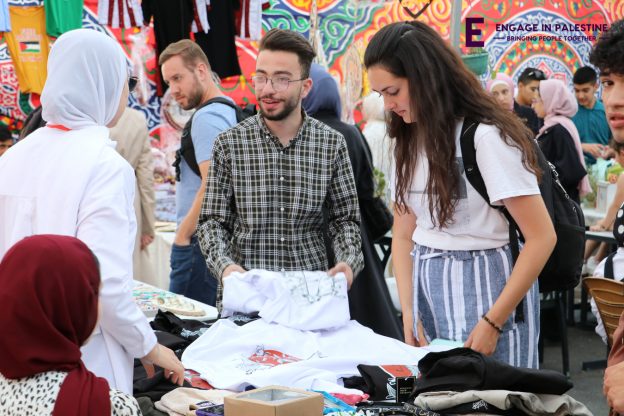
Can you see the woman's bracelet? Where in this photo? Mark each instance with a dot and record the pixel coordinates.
(492, 324)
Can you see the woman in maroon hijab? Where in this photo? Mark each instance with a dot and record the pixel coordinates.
(49, 288)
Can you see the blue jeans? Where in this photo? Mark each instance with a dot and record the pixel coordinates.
(189, 274)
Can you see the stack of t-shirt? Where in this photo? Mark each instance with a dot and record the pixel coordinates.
(304, 338)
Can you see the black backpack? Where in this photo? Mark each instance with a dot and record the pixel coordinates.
(563, 268)
(609, 272)
(187, 151)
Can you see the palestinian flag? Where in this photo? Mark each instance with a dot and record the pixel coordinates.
(30, 47)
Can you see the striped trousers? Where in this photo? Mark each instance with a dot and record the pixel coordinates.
(453, 289)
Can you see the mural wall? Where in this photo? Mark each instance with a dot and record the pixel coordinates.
(344, 28)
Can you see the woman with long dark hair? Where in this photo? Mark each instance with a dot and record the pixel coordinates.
(459, 282)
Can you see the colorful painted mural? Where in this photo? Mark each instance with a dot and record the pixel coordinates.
(344, 28)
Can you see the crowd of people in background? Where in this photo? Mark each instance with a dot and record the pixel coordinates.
(284, 190)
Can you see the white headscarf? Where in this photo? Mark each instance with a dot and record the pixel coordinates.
(373, 107)
(86, 75)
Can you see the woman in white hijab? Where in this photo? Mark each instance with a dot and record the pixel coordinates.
(66, 178)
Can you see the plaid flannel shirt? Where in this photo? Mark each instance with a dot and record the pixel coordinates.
(263, 205)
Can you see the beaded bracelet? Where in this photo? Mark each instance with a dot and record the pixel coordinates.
(496, 327)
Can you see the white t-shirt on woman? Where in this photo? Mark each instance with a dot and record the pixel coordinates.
(476, 225)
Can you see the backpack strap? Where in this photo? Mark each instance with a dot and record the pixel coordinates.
(187, 150)
(224, 101)
(469, 157)
(608, 269)
(473, 174)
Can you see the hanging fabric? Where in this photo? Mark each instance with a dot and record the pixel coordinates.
(249, 19)
(219, 43)
(62, 16)
(109, 12)
(5, 20)
(200, 16)
(172, 22)
(28, 46)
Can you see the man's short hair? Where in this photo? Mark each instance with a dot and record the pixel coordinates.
(585, 75)
(289, 41)
(531, 74)
(608, 52)
(189, 51)
(5, 133)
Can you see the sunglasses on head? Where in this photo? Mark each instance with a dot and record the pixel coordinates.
(537, 74)
(132, 83)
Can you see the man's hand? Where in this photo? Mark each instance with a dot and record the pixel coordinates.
(146, 240)
(230, 269)
(594, 149)
(614, 386)
(346, 269)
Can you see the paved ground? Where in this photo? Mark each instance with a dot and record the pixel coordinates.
(584, 345)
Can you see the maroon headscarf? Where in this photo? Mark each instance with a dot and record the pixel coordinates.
(49, 288)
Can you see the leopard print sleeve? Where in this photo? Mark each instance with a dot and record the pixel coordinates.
(123, 404)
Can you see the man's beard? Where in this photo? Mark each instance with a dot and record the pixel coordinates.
(195, 98)
(289, 106)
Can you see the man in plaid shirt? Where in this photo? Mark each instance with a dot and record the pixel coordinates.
(274, 173)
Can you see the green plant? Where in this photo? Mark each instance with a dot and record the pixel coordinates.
(477, 60)
(476, 51)
(380, 183)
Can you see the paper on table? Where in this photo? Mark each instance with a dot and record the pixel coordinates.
(144, 294)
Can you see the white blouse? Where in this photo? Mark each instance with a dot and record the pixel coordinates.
(78, 185)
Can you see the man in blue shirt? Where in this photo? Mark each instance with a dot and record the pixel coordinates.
(186, 70)
(590, 120)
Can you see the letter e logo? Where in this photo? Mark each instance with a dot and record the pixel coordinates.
(472, 32)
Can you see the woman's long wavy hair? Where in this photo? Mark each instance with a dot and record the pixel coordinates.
(442, 90)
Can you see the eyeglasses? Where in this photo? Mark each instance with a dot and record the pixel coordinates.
(278, 83)
(537, 74)
(132, 83)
